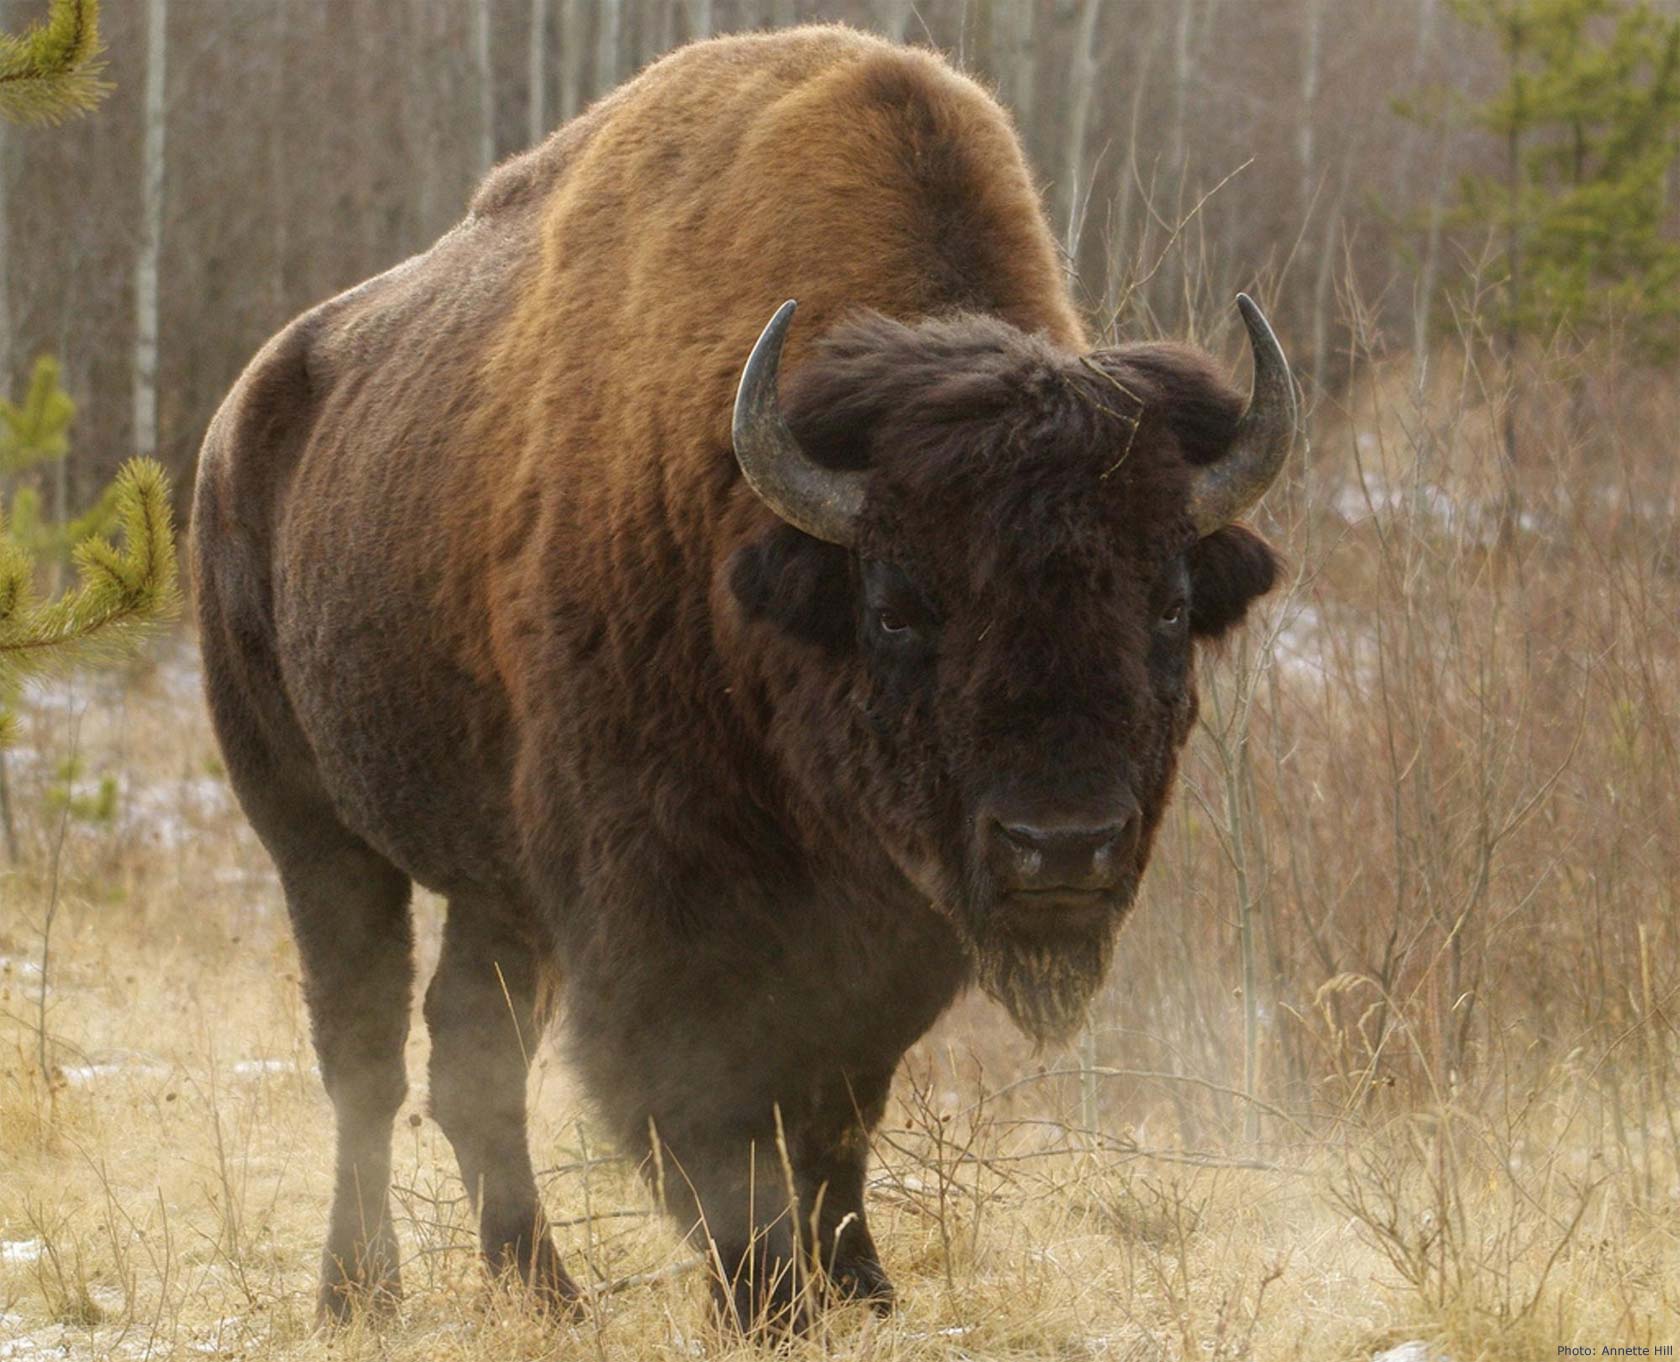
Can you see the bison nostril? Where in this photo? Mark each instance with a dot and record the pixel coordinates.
(1027, 838)
(1065, 855)
(1089, 841)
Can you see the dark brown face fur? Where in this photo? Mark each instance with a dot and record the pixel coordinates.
(1013, 634)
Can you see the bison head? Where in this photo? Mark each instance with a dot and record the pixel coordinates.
(1008, 553)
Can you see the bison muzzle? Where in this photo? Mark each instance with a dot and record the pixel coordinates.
(760, 694)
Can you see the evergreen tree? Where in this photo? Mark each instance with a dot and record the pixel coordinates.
(49, 71)
(33, 434)
(1589, 118)
(118, 591)
(52, 69)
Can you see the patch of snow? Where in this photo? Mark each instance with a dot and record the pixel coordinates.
(50, 693)
(87, 1073)
(78, 1074)
(214, 1342)
(1476, 519)
(1413, 1350)
(22, 757)
(255, 1068)
(181, 675)
(169, 813)
(1147, 1345)
(683, 1343)
(244, 874)
(19, 1251)
(1374, 495)
(1307, 647)
(1299, 644)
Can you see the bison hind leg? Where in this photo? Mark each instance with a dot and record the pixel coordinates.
(349, 911)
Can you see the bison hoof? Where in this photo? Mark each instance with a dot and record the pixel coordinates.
(768, 1306)
(540, 1276)
(863, 1281)
(376, 1289)
(762, 1304)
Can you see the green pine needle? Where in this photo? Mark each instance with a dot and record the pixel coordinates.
(52, 69)
(120, 591)
(36, 430)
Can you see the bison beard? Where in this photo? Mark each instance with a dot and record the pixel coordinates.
(1044, 972)
(1045, 982)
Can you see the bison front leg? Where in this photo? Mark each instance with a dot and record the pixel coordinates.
(833, 1161)
(851, 1266)
(481, 1012)
(780, 1212)
(731, 1194)
(776, 1259)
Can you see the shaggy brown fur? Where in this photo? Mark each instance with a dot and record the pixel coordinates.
(486, 605)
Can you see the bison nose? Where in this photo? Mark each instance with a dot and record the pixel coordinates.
(1047, 855)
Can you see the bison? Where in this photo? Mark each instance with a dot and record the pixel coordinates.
(761, 710)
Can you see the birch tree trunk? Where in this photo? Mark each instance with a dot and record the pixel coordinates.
(1306, 164)
(1423, 303)
(664, 30)
(1322, 281)
(1082, 78)
(608, 21)
(1312, 46)
(486, 87)
(1181, 88)
(573, 28)
(277, 148)
(7, 823)
(537, 74)
(145, 435)
(1421, 52)
(893, 16)
(5, 272)
(979, 37)
(1124, 251)
(1012, 44)
(1168, 283)
(1025, 65)
(1027, 54)
(1514, 278)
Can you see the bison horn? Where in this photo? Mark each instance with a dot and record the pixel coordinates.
(824, 502)
(1265, 434)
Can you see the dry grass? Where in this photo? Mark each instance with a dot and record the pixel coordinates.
(1389, 1054)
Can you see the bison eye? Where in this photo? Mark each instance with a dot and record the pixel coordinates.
(892, 622)
(1172, 615)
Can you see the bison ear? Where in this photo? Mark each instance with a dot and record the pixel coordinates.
(798, 584)
(1228, 570)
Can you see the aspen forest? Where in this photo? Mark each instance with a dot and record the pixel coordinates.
(1387, 1063)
